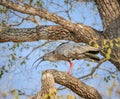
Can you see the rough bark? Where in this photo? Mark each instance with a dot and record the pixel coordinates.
(48, 90)
(109, 10)
(41, 32)
(78, 29)
(77, 86)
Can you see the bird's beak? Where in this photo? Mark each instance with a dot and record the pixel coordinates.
(41, 60)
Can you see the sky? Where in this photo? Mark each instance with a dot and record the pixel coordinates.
(23, 76)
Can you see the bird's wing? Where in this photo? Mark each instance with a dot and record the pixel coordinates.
(88, 48)
(65, 49)
(73, 49)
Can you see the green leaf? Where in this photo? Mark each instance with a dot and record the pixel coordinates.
(1, 73)
(111, 44)
(104, 42)
(109, 50)
(13, 57)
(113, 75)
(107, 56)
(22, 63)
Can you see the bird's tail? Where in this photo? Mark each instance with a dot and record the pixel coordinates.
(92, 56)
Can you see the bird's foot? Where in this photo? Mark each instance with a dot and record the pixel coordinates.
(71, 66)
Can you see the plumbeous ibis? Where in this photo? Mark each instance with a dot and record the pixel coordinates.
(70, 51)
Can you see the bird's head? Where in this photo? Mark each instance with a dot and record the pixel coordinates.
(50, 57)
(47, 57)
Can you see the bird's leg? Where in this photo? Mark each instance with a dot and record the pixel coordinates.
(71, 66)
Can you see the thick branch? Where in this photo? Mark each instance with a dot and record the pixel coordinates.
(34, 11)
(39, 32)
(78, 29)
(48, 90)
(109, 10)
(70, 82)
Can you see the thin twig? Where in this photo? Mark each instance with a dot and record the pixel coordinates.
(35, 48)
(94, 69)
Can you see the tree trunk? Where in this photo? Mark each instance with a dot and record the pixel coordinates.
(109, 10)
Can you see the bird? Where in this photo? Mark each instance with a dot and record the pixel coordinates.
(70, 51)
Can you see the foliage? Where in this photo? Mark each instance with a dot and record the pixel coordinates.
(3, 70)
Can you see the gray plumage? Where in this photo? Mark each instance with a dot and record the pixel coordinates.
(75, 51)
(70, 51)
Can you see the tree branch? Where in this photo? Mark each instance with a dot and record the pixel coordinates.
(79, 30)
(93, 69)
(35, 34)
(40, 32)
(48, 90)
(51, 76)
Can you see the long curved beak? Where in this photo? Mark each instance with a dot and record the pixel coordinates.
(41, 60)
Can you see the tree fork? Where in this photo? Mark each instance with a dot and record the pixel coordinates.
(50, 77)
(80, 30)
